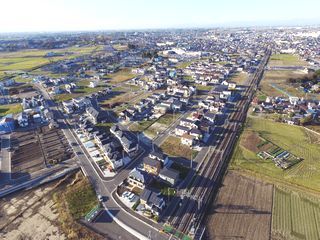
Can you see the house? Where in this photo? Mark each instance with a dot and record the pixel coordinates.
(205, 127)
(169, 175)
(94, 115)
(68, 106)
(196, 133)
(210, 117)
(177, 105)
(188, 140)
(188, 123)
(152, 201)
(129, 145)
(160, 156)
(181, 130)
(152, 166)
(23, 119)
(7, 124)
(92, 84)
(160, 108)
(139, 178)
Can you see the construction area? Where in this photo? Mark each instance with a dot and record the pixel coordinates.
(38, 214)
(36, 149)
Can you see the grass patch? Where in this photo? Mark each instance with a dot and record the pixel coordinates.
(10, 108)
(142, 125)
(240, 78)
(183, 65)
(168, 118)
(80, 199)
(172, 146)
(274, 83)
(293, 139)
(202, 87)
(286, 60)
(121, 76)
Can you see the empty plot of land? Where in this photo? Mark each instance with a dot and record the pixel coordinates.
(121, 76)
(173, 147)
(274, 83)
(240, 78)
(242, 209)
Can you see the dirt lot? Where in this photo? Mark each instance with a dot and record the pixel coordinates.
(34, 214)
(250, 141)
(242, 210)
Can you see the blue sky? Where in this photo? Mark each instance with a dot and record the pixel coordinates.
(65, 15)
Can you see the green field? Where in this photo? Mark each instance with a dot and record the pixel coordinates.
(286, 60)
(10, 108)
(295, 216)
(27, 60)
(292, 138)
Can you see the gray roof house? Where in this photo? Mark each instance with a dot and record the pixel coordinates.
(169, 175)
(152, 200)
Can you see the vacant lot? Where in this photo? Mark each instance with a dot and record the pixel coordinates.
(295, 216)
(173, 147)
(121, 76)
(292, 138)
(10, 108)
(242, 210)
(36, 214)
(286, 60)
(240, 78)
(274, 83)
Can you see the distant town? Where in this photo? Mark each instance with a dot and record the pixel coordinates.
(168, 134)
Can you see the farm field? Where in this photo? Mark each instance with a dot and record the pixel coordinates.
(291, 138)
(286, 60)
(242, 208)
(295, 215)
(29, 59)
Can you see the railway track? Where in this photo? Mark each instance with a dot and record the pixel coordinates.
(193, 205)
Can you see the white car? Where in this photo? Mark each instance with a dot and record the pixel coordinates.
(125, 194)
(100, 198)
(131, 196)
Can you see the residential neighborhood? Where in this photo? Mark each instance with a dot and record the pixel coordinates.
(153, 123)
